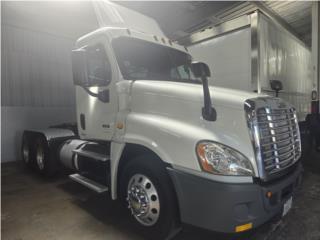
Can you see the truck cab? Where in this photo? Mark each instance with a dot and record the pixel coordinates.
(174, 150)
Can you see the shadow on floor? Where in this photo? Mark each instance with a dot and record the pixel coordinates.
(37, 208)
(109, 212)
(100, 206)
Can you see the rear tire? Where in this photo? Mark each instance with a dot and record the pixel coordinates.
(44, 161)
(146, 188)
(26, 152)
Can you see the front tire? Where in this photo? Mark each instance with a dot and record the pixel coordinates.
(150, 197)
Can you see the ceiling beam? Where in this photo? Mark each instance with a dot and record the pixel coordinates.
(271, 14)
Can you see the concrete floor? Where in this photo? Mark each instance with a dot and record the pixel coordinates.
(34, 208)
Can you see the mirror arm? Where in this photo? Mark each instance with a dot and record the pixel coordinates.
(101, 95)
(208, 112)
(92, 94)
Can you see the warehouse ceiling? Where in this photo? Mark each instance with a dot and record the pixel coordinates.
(295, 13)
(69, 19)
(180, 19)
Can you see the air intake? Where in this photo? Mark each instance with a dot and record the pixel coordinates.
(275, 135)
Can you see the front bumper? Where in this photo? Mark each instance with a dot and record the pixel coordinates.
(221, 206)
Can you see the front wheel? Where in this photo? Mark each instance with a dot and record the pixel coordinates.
(143, 200)
(150, 197)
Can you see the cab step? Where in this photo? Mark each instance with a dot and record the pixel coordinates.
(95, 186)
(94, 155)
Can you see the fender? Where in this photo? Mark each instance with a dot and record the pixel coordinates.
(117, 151)
(54, 136)
(147, 141)
(52, 133)
(174, 140)
(115, 156)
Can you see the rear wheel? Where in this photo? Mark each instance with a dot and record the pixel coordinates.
(45, 163)
(150, 197)
(40, 155)
(26, 152)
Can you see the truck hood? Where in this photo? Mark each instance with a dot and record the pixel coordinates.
(169, 114)
(194, 92)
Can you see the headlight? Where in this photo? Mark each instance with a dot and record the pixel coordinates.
(220, 159)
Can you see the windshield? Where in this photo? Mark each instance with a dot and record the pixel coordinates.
(143, 60)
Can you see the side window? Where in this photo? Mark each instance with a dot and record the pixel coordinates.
(181, 72)
(99, 68)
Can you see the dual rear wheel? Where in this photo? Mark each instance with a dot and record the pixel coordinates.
(36, 155)
(26, 151)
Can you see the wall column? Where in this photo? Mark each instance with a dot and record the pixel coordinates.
(315, 50)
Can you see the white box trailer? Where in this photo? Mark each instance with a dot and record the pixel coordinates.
(248, 52)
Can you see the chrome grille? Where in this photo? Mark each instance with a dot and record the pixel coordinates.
(274, 132)
(279, 138)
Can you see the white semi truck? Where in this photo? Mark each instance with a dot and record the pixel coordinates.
(152, 133)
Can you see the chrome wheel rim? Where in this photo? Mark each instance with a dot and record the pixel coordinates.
(25, 153)
(40, 157)
(143, 200)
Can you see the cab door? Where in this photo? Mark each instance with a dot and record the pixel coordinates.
(95, 115)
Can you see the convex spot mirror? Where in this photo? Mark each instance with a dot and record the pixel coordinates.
(276, 85)
(200, 69)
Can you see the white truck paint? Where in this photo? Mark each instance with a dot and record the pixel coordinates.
(110, 14)
(142, 133)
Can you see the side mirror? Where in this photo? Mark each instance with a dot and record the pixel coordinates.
(200, 69)
(104, 95)
(276, 85)
(79, 67)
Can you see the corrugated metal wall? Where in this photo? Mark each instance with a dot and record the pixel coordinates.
(36, 84)
(36, 69)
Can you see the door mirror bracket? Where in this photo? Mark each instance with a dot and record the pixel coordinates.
(103, 95)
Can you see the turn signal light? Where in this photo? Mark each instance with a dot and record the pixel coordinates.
(120, 125)
(201, 151)
(269, 194)
(243, 227)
